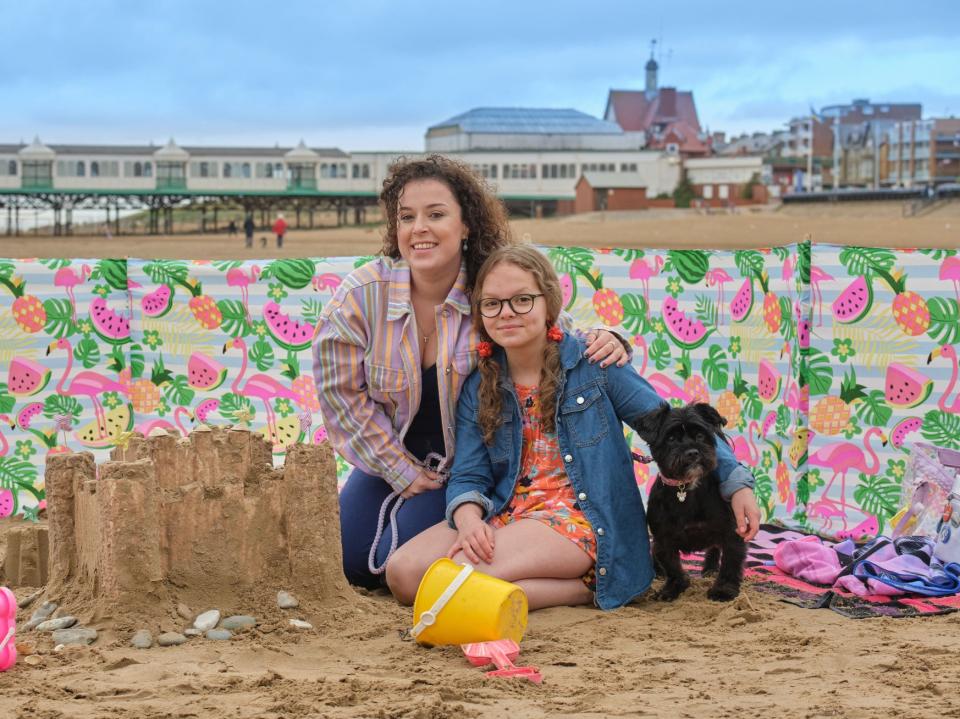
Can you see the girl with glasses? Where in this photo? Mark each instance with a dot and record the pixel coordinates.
(542, 490)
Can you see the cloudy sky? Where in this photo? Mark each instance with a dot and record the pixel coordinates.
(373, 74)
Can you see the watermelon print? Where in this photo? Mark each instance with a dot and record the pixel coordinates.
(829, 363)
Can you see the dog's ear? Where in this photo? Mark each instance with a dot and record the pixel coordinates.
(648, 425)
(710, 415)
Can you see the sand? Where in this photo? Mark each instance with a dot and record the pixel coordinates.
(753, 657)
(873, 224)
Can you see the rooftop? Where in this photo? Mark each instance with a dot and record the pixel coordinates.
(524, 120)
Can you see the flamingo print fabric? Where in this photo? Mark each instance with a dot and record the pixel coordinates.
(827, 362)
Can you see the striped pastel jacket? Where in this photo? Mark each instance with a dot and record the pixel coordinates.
(366, 363)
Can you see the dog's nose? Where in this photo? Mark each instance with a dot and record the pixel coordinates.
(692, 455)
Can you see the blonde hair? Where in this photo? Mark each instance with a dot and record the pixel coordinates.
(528, 259)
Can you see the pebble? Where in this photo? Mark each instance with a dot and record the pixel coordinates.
(33, 660)
(76, 635)
(191, 632)
(219, 634)
(285, 600)
(143, 639)
(239, 621)
(42, 614)
(29, 599)
(54, 624)
(300, 624)
(208, 620)
(171, 639)
(184, 611)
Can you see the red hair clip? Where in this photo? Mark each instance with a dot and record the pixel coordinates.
(555, 334)
(485, 349)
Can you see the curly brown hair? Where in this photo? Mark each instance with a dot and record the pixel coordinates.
(481, 210)
(528, 259)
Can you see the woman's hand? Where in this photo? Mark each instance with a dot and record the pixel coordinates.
(426, 481)
(605, 347)
(474, 536)
(747, 513)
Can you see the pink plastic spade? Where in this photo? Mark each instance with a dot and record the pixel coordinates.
(8, 622)
(501, 653)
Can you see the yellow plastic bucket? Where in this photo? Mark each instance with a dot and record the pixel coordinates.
(456, 604)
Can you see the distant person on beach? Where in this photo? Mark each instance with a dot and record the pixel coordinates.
(394, 347)
(248, 228)
(542, 491)
(232, 229)
(280, 229)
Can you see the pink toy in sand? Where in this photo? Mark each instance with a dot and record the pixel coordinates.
(501, 653)
(8, 624)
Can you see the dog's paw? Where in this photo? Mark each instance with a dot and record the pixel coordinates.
(670, 591)
(723, 592)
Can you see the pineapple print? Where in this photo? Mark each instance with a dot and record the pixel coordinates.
(909, 309)
(144, 394)
(28, 311)
(831, 414)
(697, 389)
(305, 390)
(203, 307)
(772, 315)
(799, 447)
(608, 307)
(728, 405)
(782, 475)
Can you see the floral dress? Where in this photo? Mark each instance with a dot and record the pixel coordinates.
(544, 492)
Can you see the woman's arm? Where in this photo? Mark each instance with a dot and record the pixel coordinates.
(356, 425)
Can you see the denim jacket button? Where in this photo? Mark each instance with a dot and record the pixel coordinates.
(600, 531)
(602, 571)
(580, 400)
(568, 458)
(582, 496)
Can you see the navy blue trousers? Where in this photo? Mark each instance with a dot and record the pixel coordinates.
(360, 501)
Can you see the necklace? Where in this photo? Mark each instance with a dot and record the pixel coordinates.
(431, 333)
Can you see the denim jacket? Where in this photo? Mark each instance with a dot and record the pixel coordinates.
(591, 405)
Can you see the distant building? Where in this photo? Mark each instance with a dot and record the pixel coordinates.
(720, 181)
(521, 128)
(600, 191)
(666, 115)
(922, 152)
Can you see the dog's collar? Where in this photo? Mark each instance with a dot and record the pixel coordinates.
(674, 482)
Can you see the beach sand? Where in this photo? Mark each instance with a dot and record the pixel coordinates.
(753, 657)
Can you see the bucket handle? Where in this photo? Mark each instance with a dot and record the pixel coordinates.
(430, 616)
(3, 642)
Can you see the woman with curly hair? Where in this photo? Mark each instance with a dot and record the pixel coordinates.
(394, 347)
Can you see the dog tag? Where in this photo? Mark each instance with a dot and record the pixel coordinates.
(682, 494)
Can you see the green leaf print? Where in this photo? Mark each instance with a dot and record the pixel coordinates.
(867, 260)
(575, 261)
(7, 400)
(716, 369)
(227, 265)
(635, 311)
(311, 310)
(178, 391)
(14, 473)
(59, 318)
(706, 310)
(804, 261)
(819, 372)
(944, 320)
(752, 404)
(237, 408)
(60, 404)
(234, 318)
(660, 353)
(763, 488)
(261, 354)
(55, 263)
(784, 420)
(877, 495)
(87, 352)
(137, 361)
(629, 255)
(942, 428)
(167, 272)
(361, 261)
(873, 409)
(749, 262)
(788, 327)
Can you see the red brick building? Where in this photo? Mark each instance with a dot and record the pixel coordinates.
(667, 116)
(599, 191)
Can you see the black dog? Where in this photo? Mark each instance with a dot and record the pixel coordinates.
(685, 511)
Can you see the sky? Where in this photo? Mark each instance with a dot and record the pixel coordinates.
(374, 75)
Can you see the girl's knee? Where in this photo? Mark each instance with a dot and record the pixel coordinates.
(403, 576)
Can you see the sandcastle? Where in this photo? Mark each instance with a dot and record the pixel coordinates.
(205, 520)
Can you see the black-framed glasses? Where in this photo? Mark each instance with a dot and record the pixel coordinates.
(491, 307)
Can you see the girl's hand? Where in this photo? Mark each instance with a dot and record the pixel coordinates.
(426, 481)
(605, 347)
(474, 536)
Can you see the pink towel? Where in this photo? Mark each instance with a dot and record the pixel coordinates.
(808, 559)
